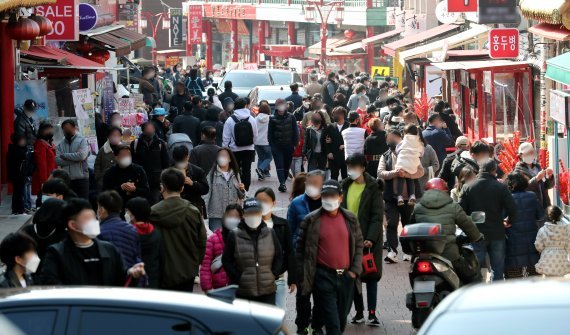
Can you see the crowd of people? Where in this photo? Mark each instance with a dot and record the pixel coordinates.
(360, 162)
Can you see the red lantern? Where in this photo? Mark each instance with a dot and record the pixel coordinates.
(44, 23)
(103, 54)
(22, 30)
(83, 47)
(349, 34)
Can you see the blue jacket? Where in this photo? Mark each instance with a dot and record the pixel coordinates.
(124, 237)
(520, 249)
(440, 140)
(298, 209)
(296, 99)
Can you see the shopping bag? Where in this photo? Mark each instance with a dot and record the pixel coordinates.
(368, 264)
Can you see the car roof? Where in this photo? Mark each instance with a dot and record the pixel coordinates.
(275, 88)
(280, 70)
(247, 71)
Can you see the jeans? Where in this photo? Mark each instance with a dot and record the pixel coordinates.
(80, 187)
(496, 250)
(371, 297)
(28, 194)
(245, 159)
(394, 214)
(296, 166)
(281, 292)
(282, 155)
(215, 223)
(263, 157)
(333, 295)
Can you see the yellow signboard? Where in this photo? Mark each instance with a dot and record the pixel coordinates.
(380, 71)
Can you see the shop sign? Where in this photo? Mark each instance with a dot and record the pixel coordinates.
(461, 6)
(391, 16)
(128, 16)
(498, 11)
(503, 43)
(400, 16)
(175, 33)
(171, 61)
(415, 23)
(380, 71)
(195, 23)
(87, 17)
(559, 106)
(83, 103)
(443, 15)
(64, 18)
(126, 105)
(230, 11)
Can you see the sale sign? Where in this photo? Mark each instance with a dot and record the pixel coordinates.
(194, 24)
(461, 6)
(503, 43)
(64, 18)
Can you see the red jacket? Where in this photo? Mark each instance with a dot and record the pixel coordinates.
(299, 148)
(214, 248)
(44, 156)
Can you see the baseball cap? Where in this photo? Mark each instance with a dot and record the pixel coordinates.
(331, 187)
(461, 141)
(525, 148)
(30, 105)
(251, 205)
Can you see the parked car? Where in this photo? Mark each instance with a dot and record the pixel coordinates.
(119, 311)
(524, 307)
(270, 93)
(243, 81)
(285, 77)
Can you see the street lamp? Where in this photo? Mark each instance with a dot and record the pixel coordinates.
(324, 9)
(146, 19)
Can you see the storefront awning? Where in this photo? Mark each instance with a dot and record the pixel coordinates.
(550, 31)
(549, 11)
(52, 56)
(478, 31)
(350, 49)
(284, 50)
(558, 68)
(381, 37)
(335, 42)
(116, 38)
(478, 64)
(409, 41)
(136, 40)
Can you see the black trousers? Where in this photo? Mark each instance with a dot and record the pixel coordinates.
(336, 167)
(333, 296)
(184, 287)
(303, 306)
(264, 299)
(244, 159)
(18, 188)
(80, 187)
(394, 214)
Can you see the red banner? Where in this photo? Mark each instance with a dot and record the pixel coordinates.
(65, 19)
(195, 24)
(503, 43)
(230, 11)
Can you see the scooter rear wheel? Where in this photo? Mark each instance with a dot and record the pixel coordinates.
(419, 316)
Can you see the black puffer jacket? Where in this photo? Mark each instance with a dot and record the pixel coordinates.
(152, 156)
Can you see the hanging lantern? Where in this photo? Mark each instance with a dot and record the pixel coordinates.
(45, 24)
(310, 13)
(102, 54)
(339, 14)
(84, 47)
(165, 22)
(349, 34)
(23, 29)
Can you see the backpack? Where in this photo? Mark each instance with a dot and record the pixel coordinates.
(243, 132)
(193, 87)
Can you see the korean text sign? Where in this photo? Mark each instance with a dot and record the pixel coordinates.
(503, 43)
(65, 19)
(195, 24)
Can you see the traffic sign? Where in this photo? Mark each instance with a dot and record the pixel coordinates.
(503, 43)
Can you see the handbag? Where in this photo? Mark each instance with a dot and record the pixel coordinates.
(216, 264)
(368, 263)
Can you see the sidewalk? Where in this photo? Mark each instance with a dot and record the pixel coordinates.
(10, 223)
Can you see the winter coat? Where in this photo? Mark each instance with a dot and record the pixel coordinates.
(437, 207)
(298, 210)
(195, 86)
(124, 237)
(199, 188)
(151, 252)
(252, 259)
(183, 240)
(313, 88)
(296, 99)
(160, 132)
(429, 159)
(72, 156)
(63, 265)
(328, 90)
(214, 249)
(374, 146)
(308, 247)
(228, 94)
(44, 161)
(222, 192)
(354, 101)
(283, 130)
(539, 187)
(219, 126)
(371, 218)
(25, 125)
(452, 125)
(439, 139)
(307, 118)
(178, 101)
(262, 121)
(446, 172)
(387, 172)
(520, 250)
(488, 195)
(311, 140)
(104, 160)
(205, 155)
(553, 243)
(281, 228)
(228, 138)
(9, 280)
(332, 131)
(152, 156)
(117, 176)
(409, 151)
(188, 124)
(16, 160)
(353, 138)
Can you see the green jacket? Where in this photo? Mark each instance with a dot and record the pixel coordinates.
(370, 217)
(437, 207)
(183, 240)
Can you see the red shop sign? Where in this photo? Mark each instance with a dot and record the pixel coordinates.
(195, 28)
(230, 11)
(65, 19)
(461, 6)
(504, 43)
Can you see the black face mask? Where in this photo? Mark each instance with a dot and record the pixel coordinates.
(392, 146)
(148, 135)
(68, 136)
(47, 137)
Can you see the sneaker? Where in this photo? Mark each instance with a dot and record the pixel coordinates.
(406, 258)
(372, 320)
(358, 318)
(290, 175)
(412, 200)
(400, 201)
(391, 258)
(260, 174)
(282, 188)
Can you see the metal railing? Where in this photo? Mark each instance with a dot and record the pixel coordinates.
(347, 3)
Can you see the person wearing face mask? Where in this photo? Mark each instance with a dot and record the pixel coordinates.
(374, 146)
(24, 123)
(539, 180)
(57, 189)
(329, 258)
(252, 256)
(149, 86)
(195, 183)
(334, 143)
(266, 197)
(283, 136)
(18, 253)
(295, 98)
(328, 89)
(316, 106)
(371, 113)
(106, 157)
(129, 180)
(304, 108)
(82, 259)
(353, 136)
(225, 187)
(438, 136)
(20, 165)
(151, 153)
(343, 88)
(471, 158)
(71, 155)
(362, 196)
(261, 144)
(313, 144)
(44, 157)
(445, 172)
(158, 117)
(212, 273)
(188, 124)
(314, 86)
(358, 99)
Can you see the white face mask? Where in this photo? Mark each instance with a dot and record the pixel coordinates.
(125, 162)
(330, 205)
(306, 105)
(266, 208)
(223, 161)
(528, 159)
(354, 174)
(312, 191)
(116, 123)
(181, 165)
(114, 140)
(281, 108)
(252, 221)
(33, 263)
(128, 217)
(92, 229)
(231, 223)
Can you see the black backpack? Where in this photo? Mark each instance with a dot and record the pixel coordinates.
(193, 87)
(243, 132)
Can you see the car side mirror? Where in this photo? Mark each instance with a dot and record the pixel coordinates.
(215, 85)
(478, 217)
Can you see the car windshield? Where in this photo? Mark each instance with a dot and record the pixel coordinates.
(509, 321)
(281, 78)
(248, 80)
(273, 95)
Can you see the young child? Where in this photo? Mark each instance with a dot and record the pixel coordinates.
(553, 243)
(409, 152)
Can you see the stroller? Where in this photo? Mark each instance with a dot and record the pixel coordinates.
(176, 140)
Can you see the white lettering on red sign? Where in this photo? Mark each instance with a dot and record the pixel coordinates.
(65, 19)
(503, 43)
